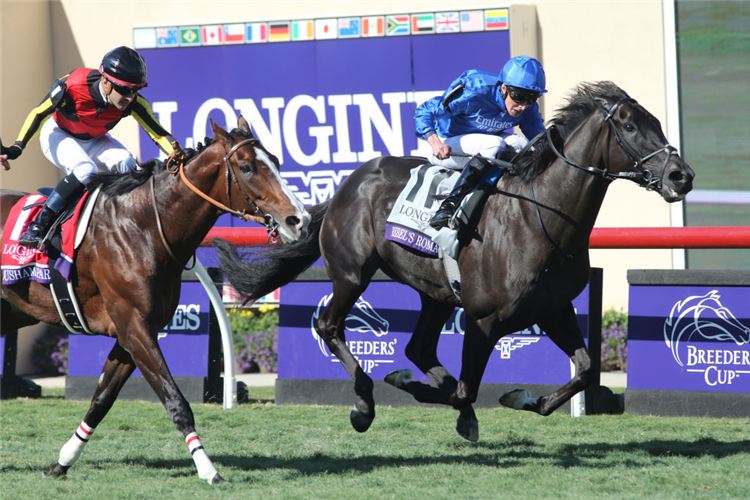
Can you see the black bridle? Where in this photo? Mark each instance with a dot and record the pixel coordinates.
(641, 176)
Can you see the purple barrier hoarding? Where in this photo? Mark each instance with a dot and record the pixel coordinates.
(184, 341)
(689, 338)
(2, 354)
(380, 325)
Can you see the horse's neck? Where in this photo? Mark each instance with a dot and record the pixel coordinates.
(568, 198)
(185, 217)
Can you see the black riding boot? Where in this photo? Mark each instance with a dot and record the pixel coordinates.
(470, 176)
(66, 191)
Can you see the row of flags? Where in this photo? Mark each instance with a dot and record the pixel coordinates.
(322, 29)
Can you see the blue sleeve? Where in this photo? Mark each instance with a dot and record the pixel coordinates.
(453, 101)
(426, 116)
(531, 122)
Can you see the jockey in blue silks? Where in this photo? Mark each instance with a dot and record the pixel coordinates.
(474, 116)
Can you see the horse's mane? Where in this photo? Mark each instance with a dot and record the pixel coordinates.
(119, 184)
(582, 101)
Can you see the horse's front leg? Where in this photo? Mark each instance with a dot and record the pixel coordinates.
(422, 351)
(564, 331)
(331, 328)
(117, 369)
(146, 353)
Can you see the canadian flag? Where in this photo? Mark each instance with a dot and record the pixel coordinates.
(213, 35)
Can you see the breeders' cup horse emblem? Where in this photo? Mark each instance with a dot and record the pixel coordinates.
(705, 316)
(363, 318)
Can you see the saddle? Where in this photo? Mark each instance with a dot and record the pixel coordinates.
(53, 266)
(408, 222)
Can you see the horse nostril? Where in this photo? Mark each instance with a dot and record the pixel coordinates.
(293, 221)
(677, 177)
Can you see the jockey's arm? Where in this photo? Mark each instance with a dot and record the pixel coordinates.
(145, 117)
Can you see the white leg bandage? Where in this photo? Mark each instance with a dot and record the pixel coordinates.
(206, 469)
(73, 448)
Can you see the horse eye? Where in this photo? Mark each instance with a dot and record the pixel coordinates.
(246, 168)
(629, 127)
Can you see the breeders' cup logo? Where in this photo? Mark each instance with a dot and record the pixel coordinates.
(363, 318)
(512, 342)
(705, 317)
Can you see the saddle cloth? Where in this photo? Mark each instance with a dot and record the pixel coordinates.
(21, 263)
(408, 222)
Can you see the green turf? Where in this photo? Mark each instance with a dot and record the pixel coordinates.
(269, 451)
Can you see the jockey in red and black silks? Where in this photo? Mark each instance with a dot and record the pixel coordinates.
(85, 105)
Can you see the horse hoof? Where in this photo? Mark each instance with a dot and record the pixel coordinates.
(57, 472)
(518, 399)
(359, 421)
(399, 378)
(468, 429)
(217, 479)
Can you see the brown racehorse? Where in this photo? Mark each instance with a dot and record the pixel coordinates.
(128, 269)
(524, 263)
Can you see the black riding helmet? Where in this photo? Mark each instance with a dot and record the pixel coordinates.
(124, 67)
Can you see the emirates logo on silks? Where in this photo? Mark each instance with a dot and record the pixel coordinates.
(691, 332)
(363, 318)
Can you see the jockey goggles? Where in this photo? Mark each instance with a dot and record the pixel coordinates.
(125, 91)
(522, 96)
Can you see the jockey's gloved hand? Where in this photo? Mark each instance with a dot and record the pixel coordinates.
(177, 154)
(12, 152)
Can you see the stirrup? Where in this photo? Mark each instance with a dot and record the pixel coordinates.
(33, 237)
(440, 219)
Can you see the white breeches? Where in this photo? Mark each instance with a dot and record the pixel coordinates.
(84, 158)
(476, 144)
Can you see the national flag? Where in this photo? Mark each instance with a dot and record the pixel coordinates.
(373, 26)
(234, 33)
(397, 25)
(256, 32)
(446, 22)
(349, 27)
(325, 29)
(212, 35)
(167, 37)
(278, 32)
(422, 24)
(496, 19)
(190, 36)
(472, 20)
(144, 38)
(303, 30)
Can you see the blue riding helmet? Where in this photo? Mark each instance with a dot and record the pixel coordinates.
(524, 72)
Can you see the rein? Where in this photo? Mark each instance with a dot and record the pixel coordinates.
(161, 230)
(259, 217)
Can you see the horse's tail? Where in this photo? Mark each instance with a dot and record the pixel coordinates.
(259, 271)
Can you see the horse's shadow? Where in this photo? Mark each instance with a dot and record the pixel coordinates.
(501, 454)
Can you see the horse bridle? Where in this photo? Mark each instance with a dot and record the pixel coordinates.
(642, 177)
(267, 220)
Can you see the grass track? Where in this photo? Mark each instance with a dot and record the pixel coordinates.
(312, 452)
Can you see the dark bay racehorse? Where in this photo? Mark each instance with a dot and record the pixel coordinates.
(526, 261)
(145, 229)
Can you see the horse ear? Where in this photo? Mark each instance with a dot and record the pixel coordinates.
(244, 125)
(220, 133)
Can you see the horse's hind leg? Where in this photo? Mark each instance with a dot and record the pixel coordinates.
(422, 351)
(564, 331)
(117, 369)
